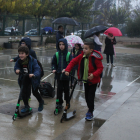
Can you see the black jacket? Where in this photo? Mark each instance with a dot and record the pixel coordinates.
(79, 52)
(109, 49)
(28, 43)
(59, 35)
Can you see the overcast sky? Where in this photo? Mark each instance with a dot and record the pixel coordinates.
(134, 2)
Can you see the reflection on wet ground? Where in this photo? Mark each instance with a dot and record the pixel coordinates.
(45, 125)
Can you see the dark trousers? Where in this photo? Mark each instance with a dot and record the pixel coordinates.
(25, 87)
(29, 91)
(90, 95)
(111, 58)
(62, 86)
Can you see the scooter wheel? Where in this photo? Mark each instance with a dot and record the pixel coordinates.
(61, 120)
(14, 118)
(55, 113)
(74, 112)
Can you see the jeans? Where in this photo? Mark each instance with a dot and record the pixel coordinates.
(111, 58)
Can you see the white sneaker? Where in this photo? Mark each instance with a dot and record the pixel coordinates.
(113, 65)
(107, 64)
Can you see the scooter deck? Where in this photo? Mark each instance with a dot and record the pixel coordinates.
(25, 114)
(70, 115)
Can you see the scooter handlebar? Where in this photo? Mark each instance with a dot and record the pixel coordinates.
(25, 74)
(80, 79)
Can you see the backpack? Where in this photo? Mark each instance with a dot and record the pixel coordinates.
(46, 89)
(40, 65)
(93, 63)
(67, 57)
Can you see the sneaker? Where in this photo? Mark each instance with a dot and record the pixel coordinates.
(40, 108)
(89, 116)
(86, 114)
(107, 64)
(113, 65)
(59, 106)
(25, 109)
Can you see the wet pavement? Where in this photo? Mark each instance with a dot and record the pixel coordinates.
(46, 125)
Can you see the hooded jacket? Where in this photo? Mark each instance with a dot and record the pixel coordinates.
(28, 43)
(62, 63)
(79, 51)
(80, 61)
(75, 55)
(59, 35)
(33, 67)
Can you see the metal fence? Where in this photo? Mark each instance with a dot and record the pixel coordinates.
(20, 26)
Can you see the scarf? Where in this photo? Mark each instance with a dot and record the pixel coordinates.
(25, 62)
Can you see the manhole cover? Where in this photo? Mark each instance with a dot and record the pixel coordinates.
(9, 109)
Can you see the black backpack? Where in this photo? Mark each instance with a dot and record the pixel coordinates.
(40, 65)
(46, 89)
(93, 63)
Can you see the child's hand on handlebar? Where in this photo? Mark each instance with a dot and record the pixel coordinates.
(17, 71)
(31, 75)
(63, 70)
(90, 76)
(67, 73)
(54, 71)
(11, 60)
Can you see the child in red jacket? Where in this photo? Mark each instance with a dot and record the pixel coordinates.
(87, 71)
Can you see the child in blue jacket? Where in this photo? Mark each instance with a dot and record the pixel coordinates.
(26, 42)
(28, 65)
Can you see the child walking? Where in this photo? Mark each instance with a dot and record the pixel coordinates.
(28, 65)
(75, 52)
(59, 63)
(87, 71)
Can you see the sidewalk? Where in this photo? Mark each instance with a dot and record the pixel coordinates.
(124, 124)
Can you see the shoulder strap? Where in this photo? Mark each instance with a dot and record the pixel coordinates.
(57, 57)
(68, 57)
(93, 62)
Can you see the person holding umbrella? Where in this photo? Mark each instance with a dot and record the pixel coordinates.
(109, 48)
(96, 42)
(59, 35)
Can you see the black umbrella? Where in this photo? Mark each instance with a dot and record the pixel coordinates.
(65, 21)
(94, 30)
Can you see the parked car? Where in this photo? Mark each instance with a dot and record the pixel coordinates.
(102, 34)
(8, 29)
(79, 32)
(31, 31)
(8, 33)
